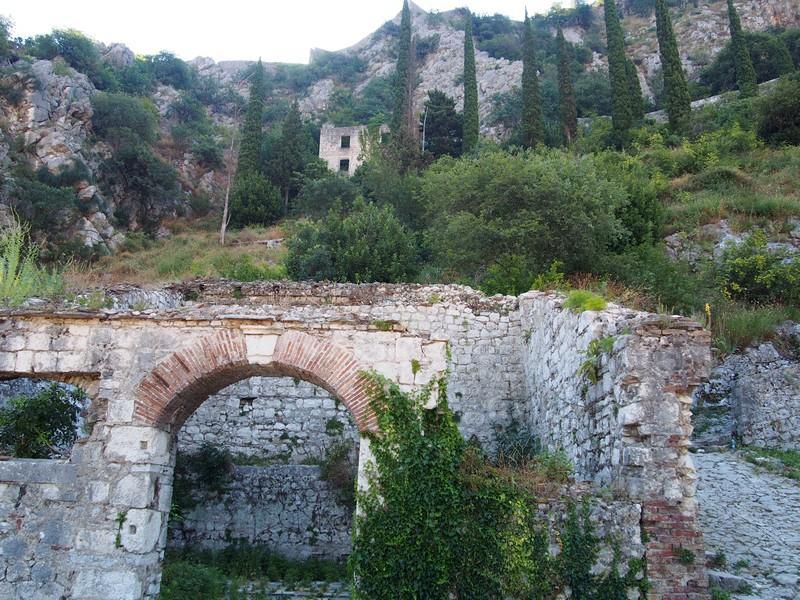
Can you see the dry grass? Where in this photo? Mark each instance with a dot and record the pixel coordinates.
(192, 250)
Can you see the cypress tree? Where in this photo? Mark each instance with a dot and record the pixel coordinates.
(622, 113)
(745, 73)
(403, 90)
(634, 91)
(532, 124)
(566, 93)
(676, 89)
(252, 133)
(471, 116)
(289, 155)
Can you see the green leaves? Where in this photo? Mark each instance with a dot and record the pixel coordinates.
(41, 426)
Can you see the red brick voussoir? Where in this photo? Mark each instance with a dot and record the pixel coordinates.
(174, 389)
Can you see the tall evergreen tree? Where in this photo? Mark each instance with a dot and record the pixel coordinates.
(443, 127)
(678, 102)
(289, 155)
(634, 91)
(403, 82)
(405, 131)
(253, 199)
(252, 132)
(532, 124)
(745, 73)
(471, 116)
(622, 110)
(566, 92)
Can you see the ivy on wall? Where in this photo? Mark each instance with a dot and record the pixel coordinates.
(441, 520)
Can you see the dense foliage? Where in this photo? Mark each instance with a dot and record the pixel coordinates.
(745, 73)
(622, 110)
(779, 121)
(566, 91)
(443, 126)
(441, 521)
(367, 244)
(41, 426)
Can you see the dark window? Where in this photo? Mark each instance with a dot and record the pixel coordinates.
(384, 137)
(345, 141)
(344, 165)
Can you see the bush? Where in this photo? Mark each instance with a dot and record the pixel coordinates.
(46, 208)
(779, 121)
(183, 579)
(368, 244)
(254, 201)
(170, 70)
(538, 206)
(116, 113)
(752, 272)
(75, 48)
(41, 426)
(582, 300)
(318, 196)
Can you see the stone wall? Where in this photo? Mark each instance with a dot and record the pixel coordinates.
(332, 148)
(629, 425)
(288, 508)
(509, 359)
(273, 418)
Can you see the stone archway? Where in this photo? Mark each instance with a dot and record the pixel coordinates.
(181, 382)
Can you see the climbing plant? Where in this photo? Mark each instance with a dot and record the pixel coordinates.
(440, 520)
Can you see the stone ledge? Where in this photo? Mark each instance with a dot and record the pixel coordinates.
(37, 471)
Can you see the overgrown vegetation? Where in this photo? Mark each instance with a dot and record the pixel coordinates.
(783, 462)
(441, 519)
(43, 425)
(218, 574)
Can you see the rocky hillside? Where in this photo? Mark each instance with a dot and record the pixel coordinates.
(46, 106)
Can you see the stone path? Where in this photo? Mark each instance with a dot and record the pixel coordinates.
(754, 518)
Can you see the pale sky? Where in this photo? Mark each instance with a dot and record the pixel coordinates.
(282, 31)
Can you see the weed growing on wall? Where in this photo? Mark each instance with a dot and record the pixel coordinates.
(441, 520)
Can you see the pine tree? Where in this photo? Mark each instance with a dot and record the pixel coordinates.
(252, 132)
(289, 155)
(622, 111)
(634, 91)
(471, 116)
(745, 73)
(566, 93)
(532, 124)
(678, 102)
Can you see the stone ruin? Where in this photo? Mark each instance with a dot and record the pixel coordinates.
(94, 526)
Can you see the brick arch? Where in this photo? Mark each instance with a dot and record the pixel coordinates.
(176, 387)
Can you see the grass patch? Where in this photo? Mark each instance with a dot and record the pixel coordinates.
(250, 562)
(192, 250)
(735, 327)
(582, 300)
(782, 462)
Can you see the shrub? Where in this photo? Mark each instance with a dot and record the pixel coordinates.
(736, 327)
(368, 244)
(509, 275)
(254, 201)
(46, 208)
(114, 113)
(338, 470)
(538, 206)
(41, 426)
(170, 70)
(318, 196)
(583, 300)
(779, 121)
(751, 271)
(184, 579)
(75, 48)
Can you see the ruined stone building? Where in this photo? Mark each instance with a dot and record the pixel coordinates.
(341, 147)
(274, 372)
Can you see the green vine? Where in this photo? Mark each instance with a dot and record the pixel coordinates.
(440, 520)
